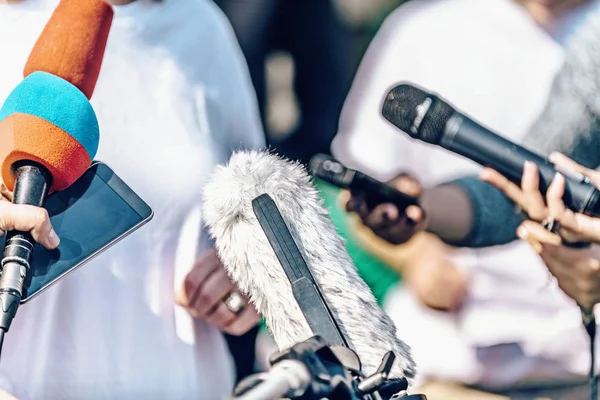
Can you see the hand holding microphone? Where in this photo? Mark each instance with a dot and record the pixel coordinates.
(570, 225)
(49, 129)
(553, 225)
(388, 221)
(26, 218)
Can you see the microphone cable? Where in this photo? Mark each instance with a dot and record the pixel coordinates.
(2, 333)
(589, 322)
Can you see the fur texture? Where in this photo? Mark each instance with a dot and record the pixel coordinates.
(252, 264)
(571, 119)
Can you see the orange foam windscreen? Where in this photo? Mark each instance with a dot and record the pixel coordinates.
(72, 44)
(27, 137)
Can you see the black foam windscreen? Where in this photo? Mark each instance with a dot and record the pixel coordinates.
(420, 114)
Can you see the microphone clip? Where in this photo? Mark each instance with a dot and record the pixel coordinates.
(317, 371)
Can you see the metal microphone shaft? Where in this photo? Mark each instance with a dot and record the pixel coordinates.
(31, 188)
(288, 378)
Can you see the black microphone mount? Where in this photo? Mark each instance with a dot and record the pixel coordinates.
(312, 370)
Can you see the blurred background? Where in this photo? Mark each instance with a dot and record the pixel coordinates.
(302, 56)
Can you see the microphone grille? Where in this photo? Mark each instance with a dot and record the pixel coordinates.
(420, 114)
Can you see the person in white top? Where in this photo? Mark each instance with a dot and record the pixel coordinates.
(501, 324)
(174, 99)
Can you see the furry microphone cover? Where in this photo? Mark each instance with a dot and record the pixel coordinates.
(252, 264)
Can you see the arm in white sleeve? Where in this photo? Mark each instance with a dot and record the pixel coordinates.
(239, 115)
(365, 140)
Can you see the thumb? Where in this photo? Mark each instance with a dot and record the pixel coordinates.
(407, 184)
(27, 218)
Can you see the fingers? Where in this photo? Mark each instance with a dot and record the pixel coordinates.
(415, 214)
(407, 184)
(577, 273)
(28, 219)
(6, 194)
(234, 324)
(206, 265)
(528, 196)
(534, 234)
(501, 182)
(386, 220)
(565, 162)
(575, 226)
(220, 316)
(356, 203)
(343, 199)
(382, 216)
(567, 219)
(534, 201)
(554, 198)
(204, 292)
(210, 293)
(562, 161)
(243, 322)
(204, 289)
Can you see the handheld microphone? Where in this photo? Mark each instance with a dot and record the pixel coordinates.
(427, 117)
(334, 172)
(253, 265)
(49, 129)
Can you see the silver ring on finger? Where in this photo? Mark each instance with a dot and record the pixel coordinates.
(234, 302)
(551, 225)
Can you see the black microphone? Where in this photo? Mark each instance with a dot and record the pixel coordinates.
(427, 117)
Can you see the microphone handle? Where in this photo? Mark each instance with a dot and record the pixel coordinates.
(288, 378)
(469, 139)
(31, 187)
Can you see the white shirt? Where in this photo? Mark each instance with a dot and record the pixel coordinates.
(491, 61)
(173, 99)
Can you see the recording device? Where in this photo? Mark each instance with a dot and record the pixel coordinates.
(90, 216)
(374, 192)
(279, 246)
(49, 128)
(427, 117)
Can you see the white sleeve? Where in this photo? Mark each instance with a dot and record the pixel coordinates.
(365, 140)
(243, 129)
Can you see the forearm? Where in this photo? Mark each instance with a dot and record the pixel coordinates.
(448, 212)
(397, 257)
(470, 213)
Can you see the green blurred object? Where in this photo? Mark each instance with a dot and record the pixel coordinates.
(374, 272)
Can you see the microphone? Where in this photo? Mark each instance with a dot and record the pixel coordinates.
(73, 42)
(427, 117)
(252, 263)
(49, 127)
